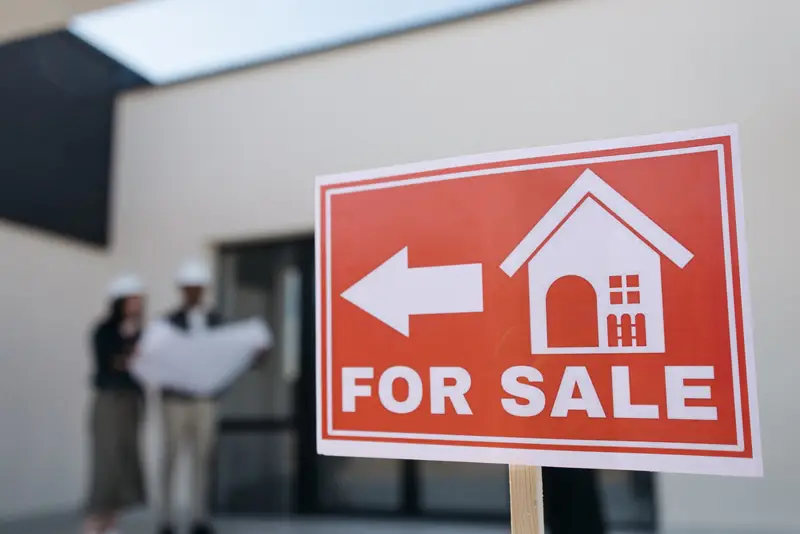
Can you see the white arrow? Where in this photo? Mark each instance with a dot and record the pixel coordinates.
(393, 292)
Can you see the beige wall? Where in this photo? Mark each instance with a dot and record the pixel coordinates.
(235, 156)
(51, 290)
(19, 18)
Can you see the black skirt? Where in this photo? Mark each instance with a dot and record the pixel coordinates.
(117, 480)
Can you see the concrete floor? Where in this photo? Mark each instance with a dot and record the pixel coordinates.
(143, 524)
(140, 524)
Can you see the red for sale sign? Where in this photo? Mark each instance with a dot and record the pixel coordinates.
(582, 305)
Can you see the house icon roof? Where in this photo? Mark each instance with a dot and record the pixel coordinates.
(586, 186)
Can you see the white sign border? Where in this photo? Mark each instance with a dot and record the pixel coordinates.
(643, 461)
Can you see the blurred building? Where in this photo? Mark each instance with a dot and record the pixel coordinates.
(224, 166)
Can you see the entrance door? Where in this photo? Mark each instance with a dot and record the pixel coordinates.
(264, 454)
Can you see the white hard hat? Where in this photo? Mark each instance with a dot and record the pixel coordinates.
(194, 273)
(127, 285)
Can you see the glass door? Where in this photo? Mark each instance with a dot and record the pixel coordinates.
(258, 466)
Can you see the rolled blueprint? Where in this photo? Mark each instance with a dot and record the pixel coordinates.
(200, 364)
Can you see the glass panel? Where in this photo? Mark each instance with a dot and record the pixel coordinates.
(256, 473)
(462, 487)
(228, 274)
(360, 483)
(260, 393)
(264, 284)
(627, 497)
(290, 335)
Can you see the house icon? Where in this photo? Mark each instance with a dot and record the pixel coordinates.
(594, 273)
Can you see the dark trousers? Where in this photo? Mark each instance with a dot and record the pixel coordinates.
(571, 501)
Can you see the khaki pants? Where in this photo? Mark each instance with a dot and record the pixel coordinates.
(188, 423)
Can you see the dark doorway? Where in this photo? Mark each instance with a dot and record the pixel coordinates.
(266, 459)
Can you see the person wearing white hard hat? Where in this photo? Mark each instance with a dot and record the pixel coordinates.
(117, 409)
(188, 419)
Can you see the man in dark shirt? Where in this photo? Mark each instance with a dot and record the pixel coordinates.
(189, 419)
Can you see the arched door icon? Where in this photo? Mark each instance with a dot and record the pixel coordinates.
(572, 313)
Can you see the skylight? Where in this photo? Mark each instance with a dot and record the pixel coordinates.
(167, 41)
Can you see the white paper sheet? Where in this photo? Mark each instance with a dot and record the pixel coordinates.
(199, 364)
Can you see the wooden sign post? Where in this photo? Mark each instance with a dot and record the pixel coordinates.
(580, 306)
(527, 504)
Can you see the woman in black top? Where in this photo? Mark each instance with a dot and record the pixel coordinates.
(117, 408)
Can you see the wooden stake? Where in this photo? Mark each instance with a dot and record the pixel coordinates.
(527, 506)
